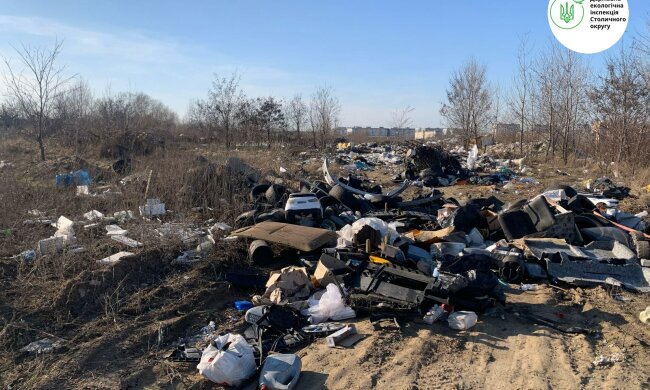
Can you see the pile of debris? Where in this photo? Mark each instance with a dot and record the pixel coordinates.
(430, 165)
(365, 251)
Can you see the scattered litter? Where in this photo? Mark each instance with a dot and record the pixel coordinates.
(126, 241)
(344, 337)
(188, 257)
(280, 372)
(528, 287)
(227, 360)
(77, 178)
(114, 230)
(38, 347)
(644, 316)
(462, 320)
(93, 215)
(114, 258)
(434, 314)
(330, 306)
(153, 208)
(602, 361)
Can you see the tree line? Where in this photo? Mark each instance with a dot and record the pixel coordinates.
(556, 99)
(43, 100)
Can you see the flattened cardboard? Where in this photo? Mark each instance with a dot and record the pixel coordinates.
(295, 236)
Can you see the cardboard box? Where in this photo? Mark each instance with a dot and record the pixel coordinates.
(328, 269)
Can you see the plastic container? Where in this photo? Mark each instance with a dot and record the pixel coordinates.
(280, 372)
(243, 305)
(434, 314)
(462, 320)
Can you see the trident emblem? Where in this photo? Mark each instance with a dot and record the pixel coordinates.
(567, 13)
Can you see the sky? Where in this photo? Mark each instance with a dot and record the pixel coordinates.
(377, 56)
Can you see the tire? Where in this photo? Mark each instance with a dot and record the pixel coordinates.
(275, 193)
(348, 199)
(258, 191)
(512, 269)
(327, 201)
(320, 188)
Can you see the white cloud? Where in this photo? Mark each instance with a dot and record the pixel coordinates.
(125, 45)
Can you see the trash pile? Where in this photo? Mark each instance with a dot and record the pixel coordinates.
(365, 251)
(430, 165)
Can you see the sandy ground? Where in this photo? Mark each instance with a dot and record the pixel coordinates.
(498, 353)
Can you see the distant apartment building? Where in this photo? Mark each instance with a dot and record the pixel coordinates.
(504, 129)
(402, 133)
(406, 133)
(427, 132)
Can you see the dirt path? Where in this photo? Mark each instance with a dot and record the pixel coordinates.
(498, 353)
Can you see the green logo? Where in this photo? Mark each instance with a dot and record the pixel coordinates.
(563, 13)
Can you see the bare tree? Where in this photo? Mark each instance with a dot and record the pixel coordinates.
(35, 86)
(400, 118)
(620, 101)
(468, 101)
(297, 114)
(571, 86)
(520, 99)
(324, 110)
(270, 117)
(9, 116)
(547, 74)
(73, 109)
(220, 109)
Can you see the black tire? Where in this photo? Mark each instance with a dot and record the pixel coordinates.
(258, 191)
(245, 219)
(320, 188)
(512, 269)
(275, 193)
(276, 215)
(327, 201)
(350, 200)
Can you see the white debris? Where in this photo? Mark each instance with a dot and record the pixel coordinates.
(41, 346)
(64, 229)
(603, 360)
(153, 208)
(114, 230)
(112, 259)
(93, 215)
(126, 241)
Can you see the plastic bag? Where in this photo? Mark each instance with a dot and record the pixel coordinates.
(347, 233)
(462, 320)
(472, 156)
(230, 365)
(330, 306)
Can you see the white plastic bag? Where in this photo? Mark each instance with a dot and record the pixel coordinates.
(462, 320)
(230, 366)
(330, 306)
(472, 156)
(347, 233)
